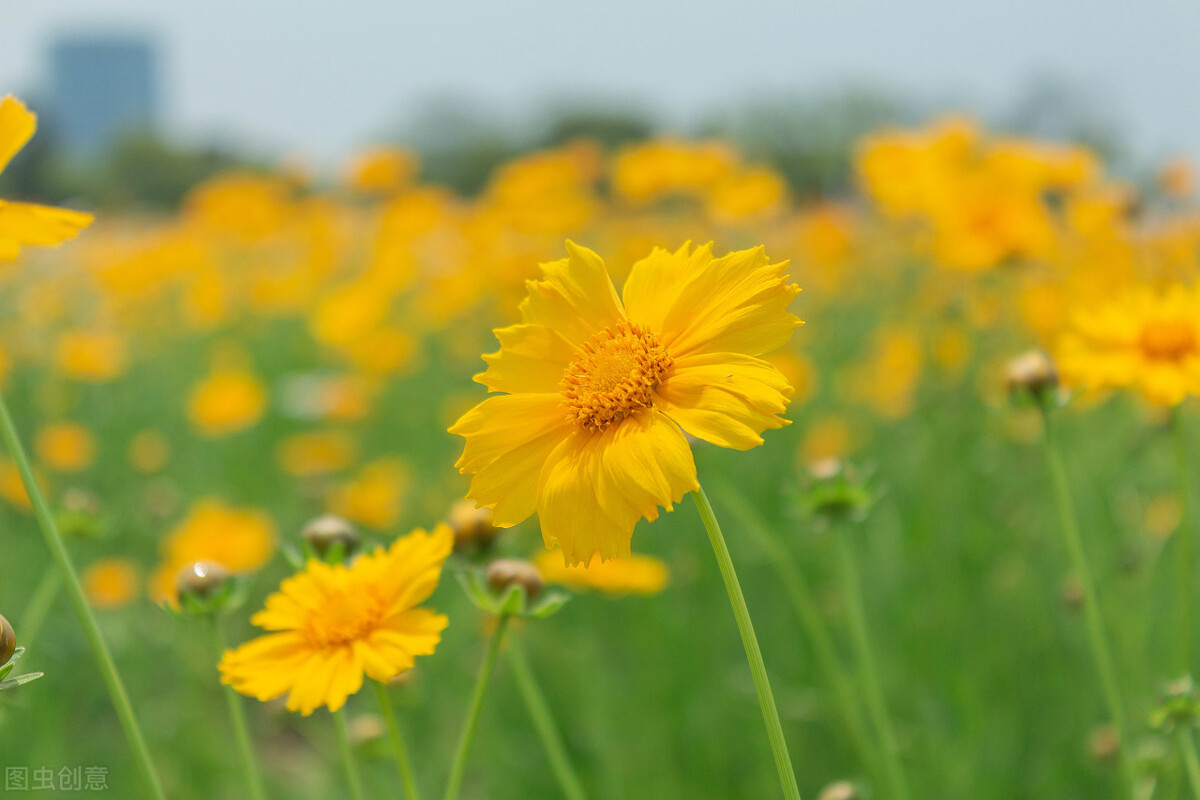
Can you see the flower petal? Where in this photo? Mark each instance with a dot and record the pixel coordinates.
(531, 358)
(508, 438)
(575, 297)
(737, 303)
(725, 398)
(595, 487)
(17, 125)
(29, 224)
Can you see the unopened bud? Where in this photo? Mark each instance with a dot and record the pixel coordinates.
(1031, 374)
(8, 641)
(514, 572)
(842, 790)
(325, 533)
(472, 526)
(201, 580)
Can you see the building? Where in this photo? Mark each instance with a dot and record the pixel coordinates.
(101, 87)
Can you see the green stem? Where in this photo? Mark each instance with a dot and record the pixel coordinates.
(1101, 650)
(343, 740)
(399, 749)
(1186, 551)
(543, 721)
(237, 715)
(809, 613)
(1191, 762)
(459, 766)
(104, 660)
(867, 667)
(40, 603)
(762, 685)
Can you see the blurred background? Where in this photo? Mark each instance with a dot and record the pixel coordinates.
(191, 88)
(309, 219)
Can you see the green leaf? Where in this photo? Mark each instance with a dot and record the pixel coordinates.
(20, 680)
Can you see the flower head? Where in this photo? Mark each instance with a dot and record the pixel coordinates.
(599, 388)
(331, 625)
(25, 224)
(1148, 340)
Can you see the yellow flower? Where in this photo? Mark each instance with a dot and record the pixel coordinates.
(1148, 340)
(374, 496)
(633, 574)
(110, 583)
(599, 389)
(382, 170)
(92, 355)
(228, 400)
(241, 540)
(25, 224)
(315, 453)
(330, 625)
(66, 447)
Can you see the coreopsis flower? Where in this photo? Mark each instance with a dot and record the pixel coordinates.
(229, 399)
(598, 389)
(26, 224)
(66, 447)
(634, 574)
(110, 583)
(241, 539)
(1148, 340)
(331, 625)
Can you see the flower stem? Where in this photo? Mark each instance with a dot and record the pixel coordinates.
(468, 732)
(809, 613)
(543, 720)
(1191, 762)
(762, 685)
(872, 687)
(1101, 650)
(1186, 551)
(343, 739)
(104, 660)
(399, 749)
(39, 605)
(237, 715)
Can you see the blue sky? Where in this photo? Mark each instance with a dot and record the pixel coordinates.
(319, 82)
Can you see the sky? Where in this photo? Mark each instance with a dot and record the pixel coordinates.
(318, 79)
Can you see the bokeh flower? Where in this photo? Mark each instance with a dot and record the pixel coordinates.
(600, 388)
(332, 625)
(632, 574)
(239, 539)
(1147, 340)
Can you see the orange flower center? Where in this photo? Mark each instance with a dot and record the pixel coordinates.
(613, 375)
(343, 617)
(1169, 340)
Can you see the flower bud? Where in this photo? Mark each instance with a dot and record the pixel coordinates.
(8, 641)
(472, 526)
(842, 790)
(201, 580)
(1031, 374)
(327, 533)
(514, 572)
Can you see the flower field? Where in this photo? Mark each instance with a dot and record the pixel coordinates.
(958, 501)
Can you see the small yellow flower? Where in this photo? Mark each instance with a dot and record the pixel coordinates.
(598, 390)
(241, 540)
(228, 400)
(26, 224)
(315, 453)
(94, 356)
(110, 583)
(66, 447)
(331, 625)
(374, 496)
(1148, 340)
(633, 574)
(382, 170)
